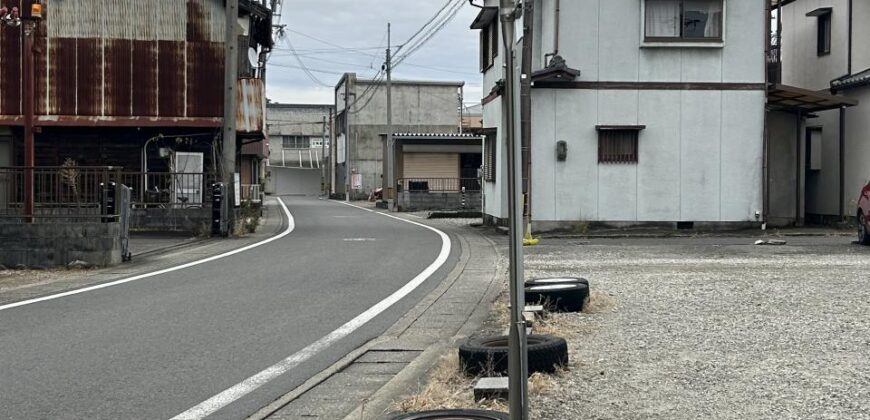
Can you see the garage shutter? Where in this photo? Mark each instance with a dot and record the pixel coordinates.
(431, 165)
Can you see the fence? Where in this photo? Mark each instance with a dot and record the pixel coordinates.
(60, 193)
(439, 184)
(168, 189)
(251, 192)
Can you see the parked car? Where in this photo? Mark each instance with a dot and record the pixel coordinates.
(864, 216)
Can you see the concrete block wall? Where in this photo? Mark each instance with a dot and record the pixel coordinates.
(58, 244)
(419, 201)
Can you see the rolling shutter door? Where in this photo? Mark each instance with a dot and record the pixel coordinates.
(431, 165)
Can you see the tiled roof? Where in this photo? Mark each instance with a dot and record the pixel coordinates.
(855, 80)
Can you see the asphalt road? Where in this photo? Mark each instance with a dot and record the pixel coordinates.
(156, 347)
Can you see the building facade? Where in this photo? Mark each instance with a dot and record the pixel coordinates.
(361, 123)
(659, 118)
(132, 84)
(299, 148)
(824, 48)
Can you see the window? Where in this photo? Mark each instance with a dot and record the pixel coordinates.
(489, 154)
(683, 20)
(824, 35)
(618, 144)
(488, 46)
(296, 142)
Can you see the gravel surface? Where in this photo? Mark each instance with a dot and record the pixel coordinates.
(697, 329)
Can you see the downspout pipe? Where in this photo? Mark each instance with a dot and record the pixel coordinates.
(556, 17)
(842, 168)
(526, 113)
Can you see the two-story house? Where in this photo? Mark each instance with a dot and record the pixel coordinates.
(823, 48)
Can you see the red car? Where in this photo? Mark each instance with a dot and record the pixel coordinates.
(864, 216)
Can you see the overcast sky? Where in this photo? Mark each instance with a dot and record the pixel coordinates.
(360, 26)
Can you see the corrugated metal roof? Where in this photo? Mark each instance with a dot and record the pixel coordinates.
(853, 81)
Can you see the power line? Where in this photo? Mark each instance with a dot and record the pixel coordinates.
(302, 65)
(432, 19)
(458, 5)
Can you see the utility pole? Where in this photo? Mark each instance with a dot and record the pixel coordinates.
(333, 154)
(323, 158)
(390, 153)
(517, 343)
(231, 75)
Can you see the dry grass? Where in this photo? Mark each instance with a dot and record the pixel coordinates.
(14, 279)
(599, 302)
(446, 388)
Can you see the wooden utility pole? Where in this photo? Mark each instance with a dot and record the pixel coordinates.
(231, 76)
(29, 28)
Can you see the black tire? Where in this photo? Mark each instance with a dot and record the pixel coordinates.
(556, 280)
(454, 415)
(863, 234)
(565, 297)
(489, 355)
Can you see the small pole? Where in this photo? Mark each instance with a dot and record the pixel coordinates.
(517, 352)
(323, 157)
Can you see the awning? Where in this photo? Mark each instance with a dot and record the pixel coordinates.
(792, 98)
(485, 18)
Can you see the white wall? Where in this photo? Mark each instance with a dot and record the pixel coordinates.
(860, 35)
(700, 156)
(858, 145)
(823, 186)
(801, 64)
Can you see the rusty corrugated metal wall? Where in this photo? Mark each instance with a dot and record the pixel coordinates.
(121, 58)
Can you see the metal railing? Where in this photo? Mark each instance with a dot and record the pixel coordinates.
(251, 192)
(439, 184)
(59, 192)
(773, 55)
(168, 189)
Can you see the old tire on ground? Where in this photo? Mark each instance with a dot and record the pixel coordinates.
(454, 415)
(489, 355)
(863, 234)
(566, 297)
(556, 280)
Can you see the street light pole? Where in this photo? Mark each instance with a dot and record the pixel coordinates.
(231, 75)
(517, 351)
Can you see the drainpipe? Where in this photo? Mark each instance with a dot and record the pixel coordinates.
(526, 112)
(842, 161)
(556, 17)
(797, 188)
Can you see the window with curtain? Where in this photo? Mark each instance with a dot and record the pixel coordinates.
(683, 20)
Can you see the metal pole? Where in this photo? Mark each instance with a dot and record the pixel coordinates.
(323, 158)
(29, 93)
(348, 175)
(517, 352)
(390, 184)
(332, 152)
(231, 75)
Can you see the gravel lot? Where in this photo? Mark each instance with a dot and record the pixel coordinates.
(714, 328)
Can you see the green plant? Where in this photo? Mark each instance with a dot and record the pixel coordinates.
(581, 227)
(250, 216)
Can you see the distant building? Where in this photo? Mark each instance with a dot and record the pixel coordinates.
(472, 118)
(361, 123)
(299, 147)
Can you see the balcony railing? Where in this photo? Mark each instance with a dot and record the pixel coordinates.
(439, 184)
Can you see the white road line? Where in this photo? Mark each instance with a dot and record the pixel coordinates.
(213, 404)
(291, 225)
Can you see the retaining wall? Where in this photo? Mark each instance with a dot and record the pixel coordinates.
(58, 244)
(420, 201)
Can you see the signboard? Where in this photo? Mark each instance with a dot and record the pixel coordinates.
(237, 189)
(356, 181)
